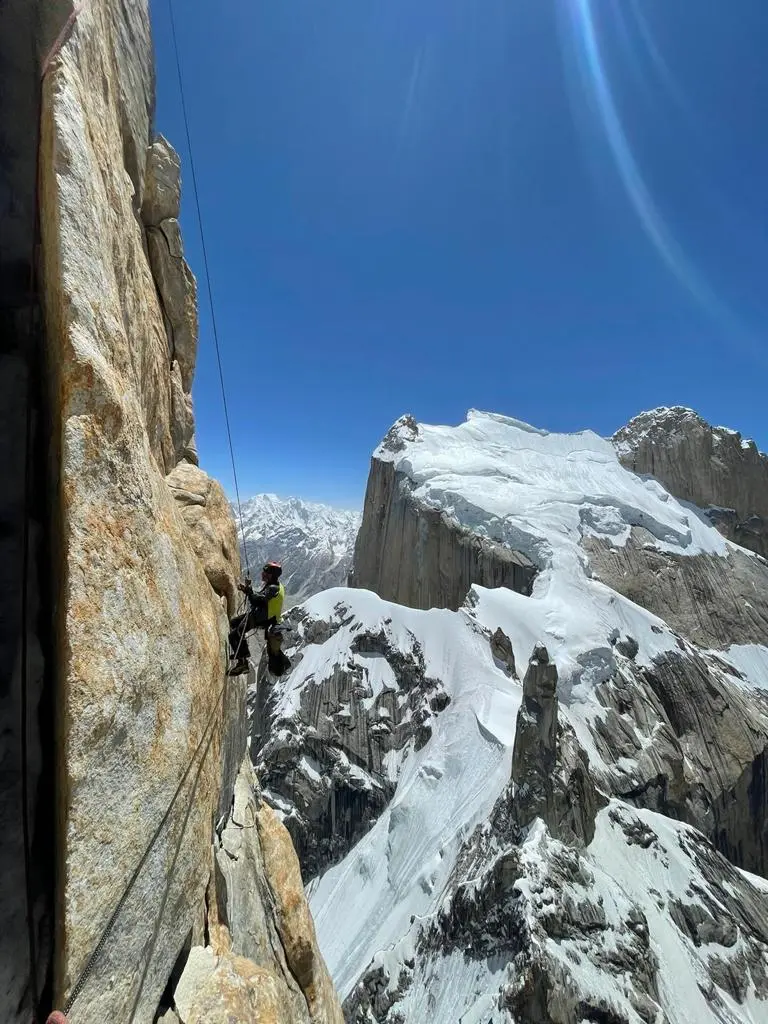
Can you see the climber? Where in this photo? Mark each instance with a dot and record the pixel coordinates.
(265, 612)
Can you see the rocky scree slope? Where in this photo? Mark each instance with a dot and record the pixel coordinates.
(545, 806)
(314, 542)
(141, 578)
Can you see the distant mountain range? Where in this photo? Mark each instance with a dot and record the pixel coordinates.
(314, 542)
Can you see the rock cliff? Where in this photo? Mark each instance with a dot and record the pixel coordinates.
(329, 761)
(139, 630)
(584, 839)
(550, 770)
(713, 467)
(712, 601)
(147, 734)
(262, 961)
(417, 552)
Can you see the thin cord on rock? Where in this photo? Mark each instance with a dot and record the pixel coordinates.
(93, 958)
(209, 730)
(207, 277)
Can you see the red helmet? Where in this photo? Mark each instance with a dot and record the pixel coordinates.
(273, 569)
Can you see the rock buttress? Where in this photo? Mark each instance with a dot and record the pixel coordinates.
(141, 616)
(262, 962)
(713, 467)
(420, 556)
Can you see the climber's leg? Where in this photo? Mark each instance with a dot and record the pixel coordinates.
(238, 639)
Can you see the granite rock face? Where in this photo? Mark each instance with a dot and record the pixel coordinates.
(140, 645)
(685, 738)
(150, 735)
(176, 286)
(27, 30)
(712, 601)
(713, 467)
(331, 766)
(422, 557)
(211, 528)
(177, 289)
(549, 769)
(265, 939)
(216, 989)
(162, 186)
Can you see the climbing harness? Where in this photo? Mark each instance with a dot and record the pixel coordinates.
(243, 630)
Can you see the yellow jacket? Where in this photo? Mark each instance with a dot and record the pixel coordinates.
(275, 603)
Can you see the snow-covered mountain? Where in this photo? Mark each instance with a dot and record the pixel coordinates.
(314, 542)
(714, 467)
(547, 803)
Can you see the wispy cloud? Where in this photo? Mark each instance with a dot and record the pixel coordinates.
(411, 96)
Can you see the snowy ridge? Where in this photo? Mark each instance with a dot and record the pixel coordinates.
(313, 541)
(374, 911)
(446, 789)
(444, 908)
(630, 893)
(542, 493)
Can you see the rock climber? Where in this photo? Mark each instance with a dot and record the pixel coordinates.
(265, 612)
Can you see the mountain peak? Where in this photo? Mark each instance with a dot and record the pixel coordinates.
(313, 541)
(713, 467)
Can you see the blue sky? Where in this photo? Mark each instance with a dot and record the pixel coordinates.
(553, 209)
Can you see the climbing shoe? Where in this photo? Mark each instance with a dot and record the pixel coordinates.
(238, 668)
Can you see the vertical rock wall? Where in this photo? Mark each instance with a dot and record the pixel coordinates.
(131, 558)
(550, 771)
(421, 557)
(713, 467)
(261, 906)
(23, 522)
(140, 630)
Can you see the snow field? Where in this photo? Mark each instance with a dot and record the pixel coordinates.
(540, 493)
(400, 868)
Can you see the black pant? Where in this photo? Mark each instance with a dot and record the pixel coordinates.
(240, 625)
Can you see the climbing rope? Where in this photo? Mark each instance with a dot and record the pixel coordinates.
(208, 279)
(169, 876)
(209, 730)
(93, 959)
